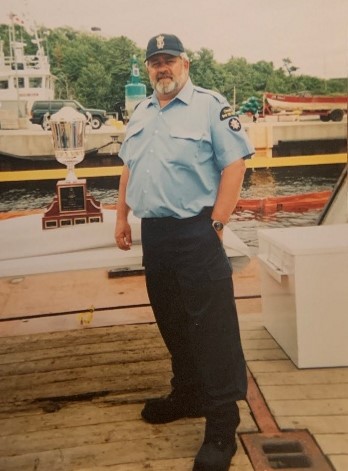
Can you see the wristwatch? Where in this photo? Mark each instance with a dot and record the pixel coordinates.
(217, 225)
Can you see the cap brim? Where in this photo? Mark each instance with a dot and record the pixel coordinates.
(164, 51)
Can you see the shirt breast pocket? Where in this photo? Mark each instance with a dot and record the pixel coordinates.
(131, 141)
(186, 144)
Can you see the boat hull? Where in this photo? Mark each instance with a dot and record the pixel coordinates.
(306, 103)
(27, 148)
(35, 144)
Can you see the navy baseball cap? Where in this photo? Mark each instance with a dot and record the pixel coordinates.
(164, 44)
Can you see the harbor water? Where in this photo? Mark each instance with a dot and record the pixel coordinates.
(260, 183)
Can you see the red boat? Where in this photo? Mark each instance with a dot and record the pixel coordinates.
(329, 107)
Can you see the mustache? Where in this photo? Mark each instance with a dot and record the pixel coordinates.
(163, 75)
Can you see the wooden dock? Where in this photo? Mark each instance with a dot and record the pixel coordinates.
(71, 396)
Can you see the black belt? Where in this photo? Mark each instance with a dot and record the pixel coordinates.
(206, 211)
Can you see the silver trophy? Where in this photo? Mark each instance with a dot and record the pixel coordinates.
(68, 132)
(72, 204)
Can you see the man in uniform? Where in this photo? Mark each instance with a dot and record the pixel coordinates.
(183, 170)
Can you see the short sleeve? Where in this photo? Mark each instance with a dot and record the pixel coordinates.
(229, 139)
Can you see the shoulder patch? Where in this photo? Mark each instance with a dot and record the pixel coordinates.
(216, 95)
(225, 113)
(234, 124)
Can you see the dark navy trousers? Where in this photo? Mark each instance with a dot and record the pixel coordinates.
(189, 283)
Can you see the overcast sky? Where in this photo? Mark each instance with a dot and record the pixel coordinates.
(312, 33)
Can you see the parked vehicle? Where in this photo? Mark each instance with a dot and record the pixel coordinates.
(41, 109)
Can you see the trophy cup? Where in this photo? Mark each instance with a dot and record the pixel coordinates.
(72, 204)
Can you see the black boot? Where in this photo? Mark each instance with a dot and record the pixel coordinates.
(215, 456)
(219, 444)
(173, 407)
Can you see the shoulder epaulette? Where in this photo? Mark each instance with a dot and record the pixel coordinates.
(214, 94)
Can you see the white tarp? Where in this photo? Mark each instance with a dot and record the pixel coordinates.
(25, 248)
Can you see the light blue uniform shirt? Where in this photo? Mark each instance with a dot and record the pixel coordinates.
(175, 155)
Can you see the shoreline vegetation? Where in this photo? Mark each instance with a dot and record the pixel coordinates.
(94, 70)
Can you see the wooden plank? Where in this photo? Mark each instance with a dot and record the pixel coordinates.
(274, 366)
(69, 436)
(115, 370)
(306, 407)
(332, 443)
(156, 446)
(78, 337)
(75, 387)
(247, 281)
(254, 334)
(85, 413)
(313, 376)
(80, 290)
(106, 454)
(260, 344)
(76, 321)
(321, 424)
(70, 414)
(262, 355)
(306, 391)
(248, 306)
(69, 378)
(52, 358)
(240, 462)
(124, 365)
(340, 462)
(251, 322)
(106, 342)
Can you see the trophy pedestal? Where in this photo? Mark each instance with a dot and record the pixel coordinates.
(72, 205)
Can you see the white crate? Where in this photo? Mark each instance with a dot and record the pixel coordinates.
(304, 287)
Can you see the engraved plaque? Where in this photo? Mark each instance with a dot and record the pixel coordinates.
(72, 198)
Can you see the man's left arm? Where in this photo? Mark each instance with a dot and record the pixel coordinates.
(229, 191)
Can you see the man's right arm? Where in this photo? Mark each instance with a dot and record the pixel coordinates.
(123, 233)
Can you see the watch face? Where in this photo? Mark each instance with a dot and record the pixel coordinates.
(218, 226)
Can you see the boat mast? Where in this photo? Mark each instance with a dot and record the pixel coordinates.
(13, 59)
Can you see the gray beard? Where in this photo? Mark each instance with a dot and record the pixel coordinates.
(164, 88)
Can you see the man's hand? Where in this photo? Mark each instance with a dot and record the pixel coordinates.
(123, 235)
(123, 231)
(229, 190)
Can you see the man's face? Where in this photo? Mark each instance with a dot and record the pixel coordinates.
(167, 74)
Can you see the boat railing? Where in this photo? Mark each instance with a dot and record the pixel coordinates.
(27, 62)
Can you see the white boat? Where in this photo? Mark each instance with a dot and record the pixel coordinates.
(24, 78)
(327, 106)
(336, 209)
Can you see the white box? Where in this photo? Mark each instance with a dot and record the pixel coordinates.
(304, 288)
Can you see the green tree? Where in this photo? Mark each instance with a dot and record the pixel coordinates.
(205, 71)
(239, 76)
(95, 70)
(288, 66)
(94, 74)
